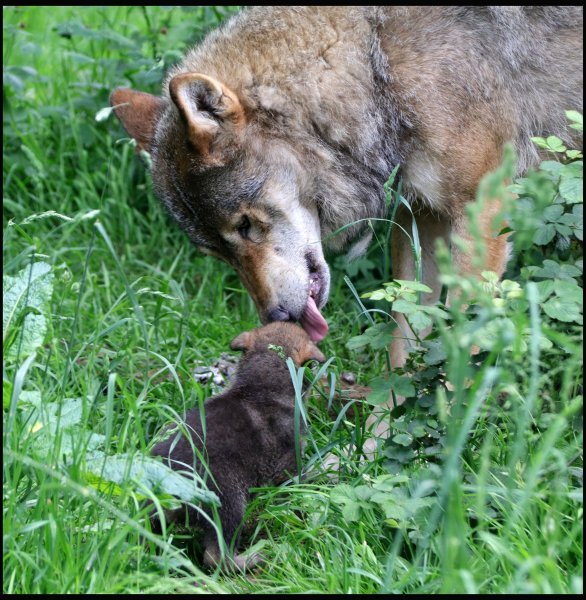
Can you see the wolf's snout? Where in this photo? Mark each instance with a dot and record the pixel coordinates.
(297, 294)
(279, 314)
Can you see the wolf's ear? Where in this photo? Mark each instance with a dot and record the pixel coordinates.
(138, 112)
(311, 352)
(242, 342)
(207, 107)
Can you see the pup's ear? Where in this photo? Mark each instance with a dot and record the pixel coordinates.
(207, 106)
(242, 342)
(138, 112)
(311, 352)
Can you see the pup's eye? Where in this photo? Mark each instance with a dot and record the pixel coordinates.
(244, 228)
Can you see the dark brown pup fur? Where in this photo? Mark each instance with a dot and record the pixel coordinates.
(249, 438)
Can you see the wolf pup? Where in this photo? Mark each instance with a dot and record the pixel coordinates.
(282, 126)
(248, 439)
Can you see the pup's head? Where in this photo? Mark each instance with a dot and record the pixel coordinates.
(241, 195)
(287, 338)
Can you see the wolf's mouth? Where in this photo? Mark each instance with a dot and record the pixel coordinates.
(312, 320)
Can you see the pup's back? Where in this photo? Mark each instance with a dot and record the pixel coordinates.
(247, 438)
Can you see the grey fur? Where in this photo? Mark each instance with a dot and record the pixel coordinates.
(333, 98)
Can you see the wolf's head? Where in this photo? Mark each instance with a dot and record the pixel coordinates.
(239, 196)
(252, 189)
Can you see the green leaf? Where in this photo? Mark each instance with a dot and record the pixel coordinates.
(363, 492)
(30, 397)
(539, 141)
(378, 337)
(377, 295)
(571, 189)
(511, 289)
(381, 391)
(555, 144)
(357, 341)
(576, 117)
(359, 265)
(553, 213)
(418, 430)
(105, 487)
(352, 500)
(490, 276)
(402, 385)
(414, 286)
(545, 288)
(419, 320)
(386, 483)
(394, 505)
(71, 441)
(554, 270)
(436, 352)
(544, 235)
(146, 158)
(573, 169)
(150, 473)
(30, 291)
(569, 290)
(381, 388)
(401, 454)
(552, 166)
(571, 271)
(56, 423)
(570, 219)
(404, 439)
(403, 306)
(435, 311)
(563, 310)
(50, 415)
(564, 231)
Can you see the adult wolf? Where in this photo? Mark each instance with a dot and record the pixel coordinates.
(283, 125)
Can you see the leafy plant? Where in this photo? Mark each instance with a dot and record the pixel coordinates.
(388, 499)
(25, 304)
(149, 475)
(547, 217)
(55, 428)
(514, 327)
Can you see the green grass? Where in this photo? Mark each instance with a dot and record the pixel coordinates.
(134, 309)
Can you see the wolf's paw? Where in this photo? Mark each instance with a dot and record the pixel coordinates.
(240, 563)
(248, 562)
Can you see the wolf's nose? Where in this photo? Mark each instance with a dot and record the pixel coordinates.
(279, 314)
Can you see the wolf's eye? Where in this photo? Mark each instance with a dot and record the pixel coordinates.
(244, 228)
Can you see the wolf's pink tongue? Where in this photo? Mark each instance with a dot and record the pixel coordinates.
(313, 322)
